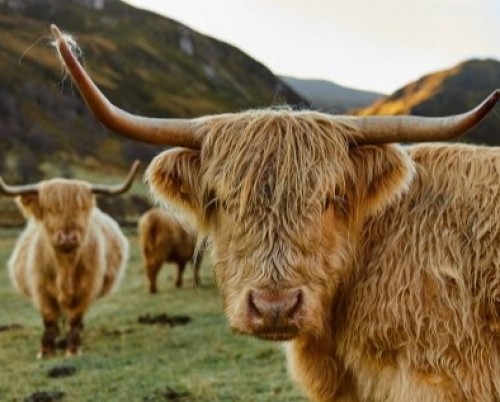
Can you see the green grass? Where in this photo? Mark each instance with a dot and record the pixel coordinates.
(127, 361)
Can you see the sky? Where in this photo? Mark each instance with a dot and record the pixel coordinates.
(378, 45)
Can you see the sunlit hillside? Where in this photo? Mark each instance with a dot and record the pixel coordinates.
(450, 91)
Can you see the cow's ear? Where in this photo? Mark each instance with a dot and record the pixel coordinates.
(174, 179)
(29, 205)
(382, 173)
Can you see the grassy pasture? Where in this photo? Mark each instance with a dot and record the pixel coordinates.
(124, 360)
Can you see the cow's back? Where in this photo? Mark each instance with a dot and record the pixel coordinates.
(151, 235)
(185, 243)
(163, 238)
(424, 308)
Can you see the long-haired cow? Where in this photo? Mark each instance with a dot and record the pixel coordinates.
(380, 264)
(69, 254)
(162, 239)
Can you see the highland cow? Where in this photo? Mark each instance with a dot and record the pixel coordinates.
(378, 263)
(69, 254)
(162, 239)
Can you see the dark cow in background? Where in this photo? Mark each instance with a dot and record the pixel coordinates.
(380, 264)
(163, 239)
(69, 254)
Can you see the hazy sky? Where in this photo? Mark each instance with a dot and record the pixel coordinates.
(377, 45)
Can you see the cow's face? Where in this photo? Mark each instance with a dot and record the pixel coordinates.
(281, 196)
(63, 209)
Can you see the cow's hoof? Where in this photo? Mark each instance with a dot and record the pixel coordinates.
(45, 354)
(72, 353)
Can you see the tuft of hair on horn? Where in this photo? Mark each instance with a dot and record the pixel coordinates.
(73, 46)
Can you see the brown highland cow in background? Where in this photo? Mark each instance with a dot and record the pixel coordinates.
(69, 254)
(164, 239)
(379, 264)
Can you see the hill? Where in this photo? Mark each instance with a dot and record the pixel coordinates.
(145, 63)
(447, 92)
(330, 97)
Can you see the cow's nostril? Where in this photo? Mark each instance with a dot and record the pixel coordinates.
(72, 237)
(273, 305)
(252, 308)
(295, 304)
(63, 238)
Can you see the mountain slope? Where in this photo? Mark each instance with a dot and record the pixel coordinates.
(145, 63)
(330, 97)
(448, 92)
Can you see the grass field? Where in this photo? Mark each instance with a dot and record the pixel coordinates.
(124, 360)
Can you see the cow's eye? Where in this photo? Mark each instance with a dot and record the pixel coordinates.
(327, 203)
(214, 203)
(330, 199)
(222, 204)
(337, 201)
(210, 202)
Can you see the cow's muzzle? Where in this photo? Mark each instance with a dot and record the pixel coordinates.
(67, 242)
(274, 315)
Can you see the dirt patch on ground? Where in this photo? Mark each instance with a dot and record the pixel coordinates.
(118, 332)
(45, 396)
(61, 371)
(10, 327)
(164, 319)
(167, 394)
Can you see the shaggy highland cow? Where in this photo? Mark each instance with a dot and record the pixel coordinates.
(379, 264)
(69, 254)
(164, 239)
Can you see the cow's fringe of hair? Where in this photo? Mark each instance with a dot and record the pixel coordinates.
(289, 163)
(68, 197)
(74, 195)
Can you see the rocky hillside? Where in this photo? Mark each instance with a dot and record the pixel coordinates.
(450, 91)
(145, 63)
(330, 97)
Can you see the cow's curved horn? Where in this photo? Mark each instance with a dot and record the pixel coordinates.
(175, 132)
(385, 129)
(103, 189)
(13, 191)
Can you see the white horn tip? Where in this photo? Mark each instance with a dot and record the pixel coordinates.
(55, 31)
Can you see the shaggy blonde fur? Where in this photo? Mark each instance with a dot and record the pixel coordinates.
(62, 283)
(164, 239)
(396, 251)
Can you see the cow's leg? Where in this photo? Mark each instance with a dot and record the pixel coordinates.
(198, 259)
(152, 270)
(74, 340)
(50, 315)
(49, 337)
(180, 274)
(196, 269)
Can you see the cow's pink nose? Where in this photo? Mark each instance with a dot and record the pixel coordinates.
(67, 238)
(67, 241)
(274, 310)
